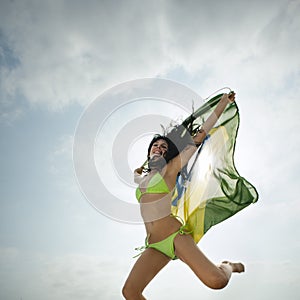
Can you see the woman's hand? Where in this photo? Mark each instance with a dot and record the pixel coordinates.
(139, 170)
(137, 175)
(212, 119)
(230, 98)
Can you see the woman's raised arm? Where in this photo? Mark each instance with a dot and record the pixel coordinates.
(178, 162)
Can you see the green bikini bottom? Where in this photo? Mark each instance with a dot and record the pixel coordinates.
(166, 246)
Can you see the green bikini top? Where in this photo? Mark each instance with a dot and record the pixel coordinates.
(156, 185)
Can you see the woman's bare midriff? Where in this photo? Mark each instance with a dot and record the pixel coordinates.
(156, 212)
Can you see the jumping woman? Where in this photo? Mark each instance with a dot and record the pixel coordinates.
(167, 236)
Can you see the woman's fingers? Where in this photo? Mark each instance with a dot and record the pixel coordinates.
(231, 96)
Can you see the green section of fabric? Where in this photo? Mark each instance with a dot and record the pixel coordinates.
(195, 223)
(236, 192)
(238, 195)
(156, 185)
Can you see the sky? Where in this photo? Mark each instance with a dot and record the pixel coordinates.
(59, 58)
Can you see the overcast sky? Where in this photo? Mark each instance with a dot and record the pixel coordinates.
(57, 57)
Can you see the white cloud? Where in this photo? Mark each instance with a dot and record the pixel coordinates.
(69, 52)
(83, 277)
(70, 276)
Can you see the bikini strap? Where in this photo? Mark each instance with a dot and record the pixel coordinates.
(183, 226)
(142, 248)
(179, 219)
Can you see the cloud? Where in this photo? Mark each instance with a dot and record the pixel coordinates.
(36, 275)
(83, 277)
(71, 52)
(68, 52)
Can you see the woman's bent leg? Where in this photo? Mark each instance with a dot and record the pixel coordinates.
(215, 277)
(144, 270)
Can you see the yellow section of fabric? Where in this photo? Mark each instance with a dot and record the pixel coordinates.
(194, 219)
(201, 187)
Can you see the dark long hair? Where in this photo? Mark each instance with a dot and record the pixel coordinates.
(177, 140)
(172, 149)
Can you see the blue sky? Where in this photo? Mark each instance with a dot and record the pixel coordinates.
(57, 57)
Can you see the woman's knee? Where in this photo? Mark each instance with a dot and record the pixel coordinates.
(217, 282)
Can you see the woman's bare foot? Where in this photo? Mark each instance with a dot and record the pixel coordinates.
(236, 267)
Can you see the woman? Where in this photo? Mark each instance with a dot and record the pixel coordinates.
(166, 236)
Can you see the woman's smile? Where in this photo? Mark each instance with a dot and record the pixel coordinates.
(159, 148)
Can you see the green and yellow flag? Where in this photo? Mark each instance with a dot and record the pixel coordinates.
(213, 190)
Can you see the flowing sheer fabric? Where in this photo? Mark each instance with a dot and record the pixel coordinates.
(212, 190)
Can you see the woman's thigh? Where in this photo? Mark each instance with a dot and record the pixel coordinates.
(187, 251)
(146, 267)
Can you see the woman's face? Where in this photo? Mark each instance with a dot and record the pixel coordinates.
(159, 148)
